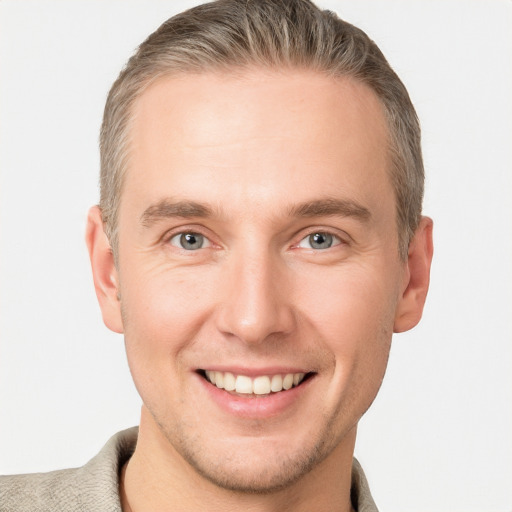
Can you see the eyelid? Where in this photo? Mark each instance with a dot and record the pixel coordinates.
(341, 238)
(336, 240)
(206, 241)
(182, 230)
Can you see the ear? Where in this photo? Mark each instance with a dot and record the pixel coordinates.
(417, 278)
(104, 271)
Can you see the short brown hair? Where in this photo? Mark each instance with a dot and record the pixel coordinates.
(229, 34)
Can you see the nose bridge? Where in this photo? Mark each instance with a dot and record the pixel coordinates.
(255, 303)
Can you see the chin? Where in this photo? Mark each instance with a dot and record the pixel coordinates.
(252, 465)
(247, 474)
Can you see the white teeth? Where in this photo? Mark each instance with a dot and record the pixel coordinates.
(276, 384)
(229, 382)
(288, 381)
(261, 385)
(243, 384)
(297, 377)
(219, 380)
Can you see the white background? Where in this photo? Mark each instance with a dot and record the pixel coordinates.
(439, 436)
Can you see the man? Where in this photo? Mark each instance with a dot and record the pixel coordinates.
(258, 240)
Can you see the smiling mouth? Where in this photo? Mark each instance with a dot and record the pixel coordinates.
(262, 385)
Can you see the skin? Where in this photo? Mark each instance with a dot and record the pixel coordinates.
(270, 158)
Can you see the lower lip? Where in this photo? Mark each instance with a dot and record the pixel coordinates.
(254, 406)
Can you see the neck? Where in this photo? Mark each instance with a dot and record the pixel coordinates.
(158, 478)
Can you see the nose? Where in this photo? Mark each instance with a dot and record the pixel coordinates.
(256, 300)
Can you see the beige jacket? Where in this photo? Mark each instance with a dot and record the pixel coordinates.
(95, 486)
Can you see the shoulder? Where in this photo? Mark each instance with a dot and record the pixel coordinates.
(361, 497)
(88, 488)
(39, 491)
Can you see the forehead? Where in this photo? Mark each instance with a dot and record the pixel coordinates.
(257, 128)
(253, 98)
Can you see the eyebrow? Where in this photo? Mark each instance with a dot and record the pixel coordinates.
(166, 208)
(331, 207)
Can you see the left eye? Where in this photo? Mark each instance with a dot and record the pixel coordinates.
(189, 241)
(319, 241)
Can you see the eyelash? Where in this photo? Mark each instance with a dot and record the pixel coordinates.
(334, 239)
(190, 233)
(180, 231)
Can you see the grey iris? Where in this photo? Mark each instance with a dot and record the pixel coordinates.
(191, 241)
(320, 240)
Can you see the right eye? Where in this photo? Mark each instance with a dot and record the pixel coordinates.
(319, 240)
(189, 241)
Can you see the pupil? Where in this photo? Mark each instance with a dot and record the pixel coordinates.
(320, 240)
(191, 241)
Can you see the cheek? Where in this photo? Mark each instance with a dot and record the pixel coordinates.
(350, 304)
(162, 314)
(158, 325)
(164, 303)
(353, 314)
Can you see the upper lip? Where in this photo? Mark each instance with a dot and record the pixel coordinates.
(255, 372)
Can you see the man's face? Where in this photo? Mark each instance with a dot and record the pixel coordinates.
(257, 241)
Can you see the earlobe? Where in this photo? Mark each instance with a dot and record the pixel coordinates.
(104, 271)
(412, 300)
